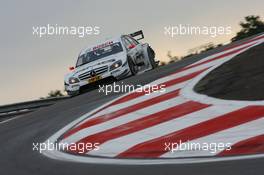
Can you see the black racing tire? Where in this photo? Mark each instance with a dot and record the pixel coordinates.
(73, 93)
(132, 66)
(151, 55)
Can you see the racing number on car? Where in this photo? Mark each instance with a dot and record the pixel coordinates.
(95, 78)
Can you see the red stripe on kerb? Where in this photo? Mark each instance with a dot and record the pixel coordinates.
(218, 57)
(245, 42)
(123, 111)
(143, 123)
(254, 145)
(155, 147)
(166, 84)
(207, 61)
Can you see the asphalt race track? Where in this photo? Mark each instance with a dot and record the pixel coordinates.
(234, 81)
(17, 136)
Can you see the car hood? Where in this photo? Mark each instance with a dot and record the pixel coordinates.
(95, 64)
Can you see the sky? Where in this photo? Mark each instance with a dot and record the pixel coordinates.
(30, 67)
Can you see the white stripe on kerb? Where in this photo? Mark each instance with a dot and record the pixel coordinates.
(123, 119)
(116, 146)
(229, 136)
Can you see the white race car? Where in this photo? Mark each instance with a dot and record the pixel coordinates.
(114, 59)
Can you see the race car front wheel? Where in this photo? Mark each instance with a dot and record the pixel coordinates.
(73, 93)
(133, 68)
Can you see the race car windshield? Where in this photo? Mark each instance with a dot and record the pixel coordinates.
(99, 53)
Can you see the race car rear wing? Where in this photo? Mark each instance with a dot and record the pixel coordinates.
(136, 34)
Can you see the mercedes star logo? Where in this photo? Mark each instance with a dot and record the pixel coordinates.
(92, 73)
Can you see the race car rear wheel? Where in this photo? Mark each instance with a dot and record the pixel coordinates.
(133, 68)
(151, 55)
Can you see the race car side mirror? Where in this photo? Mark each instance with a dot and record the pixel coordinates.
(71, 68)
(131, 46)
